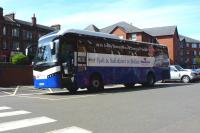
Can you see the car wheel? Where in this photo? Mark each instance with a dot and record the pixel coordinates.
(185, 79)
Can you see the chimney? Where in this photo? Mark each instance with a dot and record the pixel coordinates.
(56, 26)
(1, 12)
(34, 21)
(11, 16)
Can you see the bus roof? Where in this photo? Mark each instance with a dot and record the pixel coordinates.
(55, 34)
(80, 32)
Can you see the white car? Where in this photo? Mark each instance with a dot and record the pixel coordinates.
(184, 75)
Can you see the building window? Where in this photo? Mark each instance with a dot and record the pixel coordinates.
(39, 35)
(4, 44)
(24, 34)
(187, 60)
(194, 45)
(188, 45)
(188, 52)
(29, 35)
(193, 61)
(15, 32)
(194, 53)
(4, 30)
(3, 58)
(16, 45)
(181, 53)
(133, 37)
(121, 37)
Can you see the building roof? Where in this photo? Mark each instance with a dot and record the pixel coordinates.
(30, 24)
(161, 31)
(8, 19)
(92, 28)
(188, 39)
(128, 28)
(17, 21)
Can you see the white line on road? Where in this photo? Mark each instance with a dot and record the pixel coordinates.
(5, 96)
(4, 107)
(13, 113)
(75, 97)
(71, 130)
(6, 92)
(32, 97)
(25, 123)
(53, 99)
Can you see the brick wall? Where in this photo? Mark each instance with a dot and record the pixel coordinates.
(15, 75)
(169, 42)
(119, 32)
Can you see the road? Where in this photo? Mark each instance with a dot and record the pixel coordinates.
(166, 108)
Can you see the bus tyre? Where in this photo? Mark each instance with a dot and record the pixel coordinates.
(72, 90)
(185, 79)
(129, 85)
(96, 84)
(150, 80)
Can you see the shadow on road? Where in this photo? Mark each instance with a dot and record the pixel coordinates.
(120, 89)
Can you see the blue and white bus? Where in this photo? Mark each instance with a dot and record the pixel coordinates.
(75, 59)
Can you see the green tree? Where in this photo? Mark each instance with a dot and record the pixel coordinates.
(197, 60)
(20, 59)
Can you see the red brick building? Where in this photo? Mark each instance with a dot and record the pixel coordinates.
(125, 31)
(162, 35)
(169, 36)
(189, 51)
(16, 35)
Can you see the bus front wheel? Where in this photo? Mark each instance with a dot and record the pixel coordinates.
(72, 90)
(96, 84)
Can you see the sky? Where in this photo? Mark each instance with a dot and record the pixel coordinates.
(78, 14)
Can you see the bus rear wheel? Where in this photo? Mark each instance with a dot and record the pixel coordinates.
(96, 84)
(150, 81)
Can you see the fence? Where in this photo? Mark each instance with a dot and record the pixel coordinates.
(11, 75)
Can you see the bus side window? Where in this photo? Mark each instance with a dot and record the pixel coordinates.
(134, 49)
(81, 47)
(126, 50)
(99, 47)
(108, 48)
(144, 50)
(116, 48)
(90, 46)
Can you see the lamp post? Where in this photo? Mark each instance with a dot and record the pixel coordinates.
(17, 50)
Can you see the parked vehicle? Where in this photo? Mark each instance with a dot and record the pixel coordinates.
(198, 72)
(184, 75)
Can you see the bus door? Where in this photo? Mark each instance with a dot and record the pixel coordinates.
(68, 56)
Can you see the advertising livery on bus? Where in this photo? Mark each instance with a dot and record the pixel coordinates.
(75, 59)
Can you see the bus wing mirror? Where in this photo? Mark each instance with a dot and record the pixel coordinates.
(53, 48)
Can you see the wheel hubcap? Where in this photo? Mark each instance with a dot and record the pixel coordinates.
(96, 83)
(185, 79)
